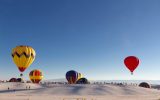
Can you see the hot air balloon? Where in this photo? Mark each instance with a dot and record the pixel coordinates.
(23, 57)
(82, 81)
(72, 76)
(35, 76)
(80, 76)
(145, 85)
(13, 80)
(131, 63)
(20, 80)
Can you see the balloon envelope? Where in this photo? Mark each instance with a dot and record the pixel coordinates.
(20, 80)
(82, 81)
(72, 76)
(80, 76)
(131, 63)
(23, 56)
(13, 80)
(35, 76)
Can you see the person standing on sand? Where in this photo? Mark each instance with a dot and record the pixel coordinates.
(29, 87)
(8, 88)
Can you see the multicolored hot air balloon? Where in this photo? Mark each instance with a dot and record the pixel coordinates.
(35, 76)
(131, 63)
(23, 57)
(72, 76)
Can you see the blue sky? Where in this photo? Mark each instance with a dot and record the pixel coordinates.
(90, 36)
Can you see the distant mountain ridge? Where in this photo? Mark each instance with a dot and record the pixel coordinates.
(55, 80)
(109, 81)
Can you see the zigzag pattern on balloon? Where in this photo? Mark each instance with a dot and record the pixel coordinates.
(26, 55)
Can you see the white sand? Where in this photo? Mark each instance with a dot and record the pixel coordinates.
(75, 92)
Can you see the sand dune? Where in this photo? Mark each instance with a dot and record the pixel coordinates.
(72, 92)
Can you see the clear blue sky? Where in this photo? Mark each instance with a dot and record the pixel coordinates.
(90, 36)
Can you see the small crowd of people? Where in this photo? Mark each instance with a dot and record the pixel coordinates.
(27, 88)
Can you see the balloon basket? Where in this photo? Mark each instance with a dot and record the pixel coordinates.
(21, 75)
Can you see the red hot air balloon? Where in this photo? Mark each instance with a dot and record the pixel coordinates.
(131, 63)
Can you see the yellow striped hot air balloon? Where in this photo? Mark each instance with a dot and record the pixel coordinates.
(23, 57)
(80, 76)
(35, 76)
